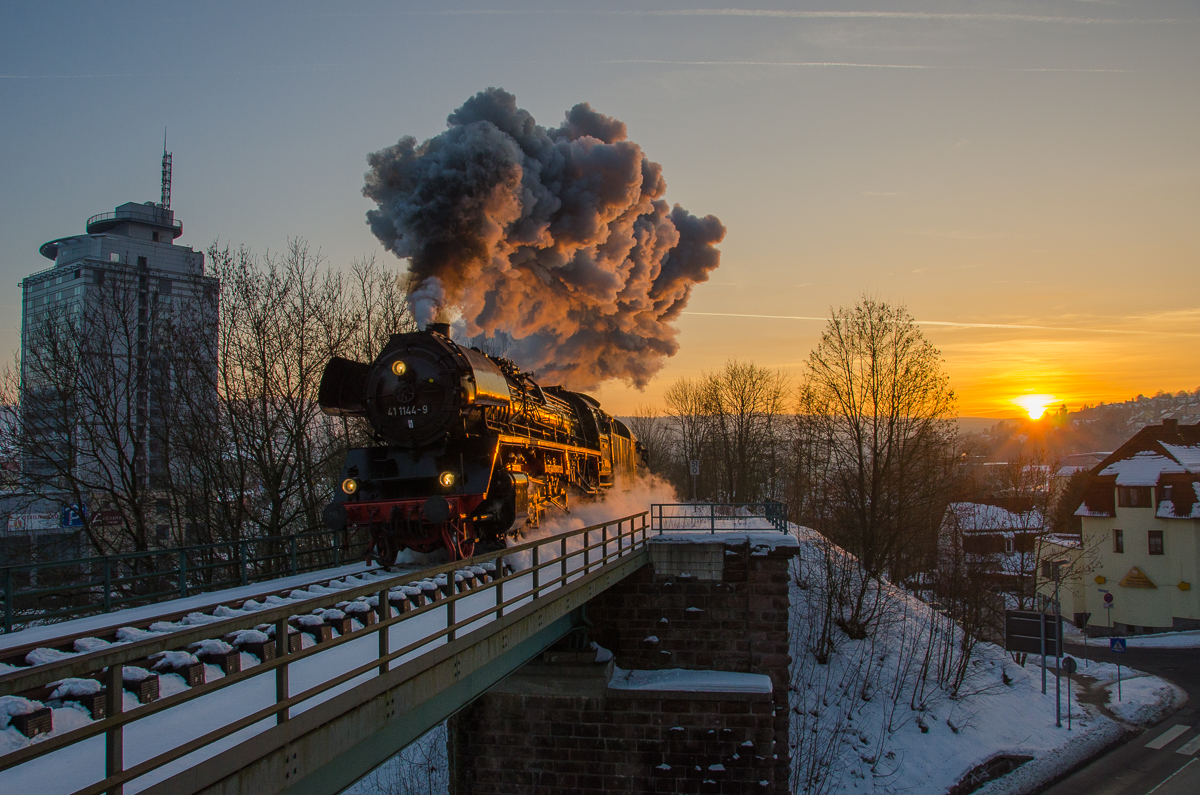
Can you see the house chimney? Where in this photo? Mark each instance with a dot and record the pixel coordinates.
(1172, 424)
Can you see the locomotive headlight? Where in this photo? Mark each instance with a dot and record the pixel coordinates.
(349, 485)
(399, 367)
(446, 479)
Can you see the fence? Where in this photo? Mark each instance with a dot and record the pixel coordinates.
(66, 589)
(769, 515)
(541, 566)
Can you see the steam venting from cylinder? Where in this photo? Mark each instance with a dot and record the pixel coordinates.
(557, 241)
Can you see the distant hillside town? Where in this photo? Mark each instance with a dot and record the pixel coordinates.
(1072, 437)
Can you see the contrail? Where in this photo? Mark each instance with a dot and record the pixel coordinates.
(834, 64)
(771, 13)
(951, 323)
(283, 69)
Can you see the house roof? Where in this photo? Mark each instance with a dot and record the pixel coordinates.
(1152, 456)
(977, 517)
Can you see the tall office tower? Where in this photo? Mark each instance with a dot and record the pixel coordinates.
(121, 328)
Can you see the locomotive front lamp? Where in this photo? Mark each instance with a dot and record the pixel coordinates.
(446, 479)
(399, 367)
(349, 485)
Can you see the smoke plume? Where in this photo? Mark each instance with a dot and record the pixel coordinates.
(556, 240)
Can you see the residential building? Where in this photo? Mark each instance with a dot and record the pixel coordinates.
(1141, 532)
(1000, 541)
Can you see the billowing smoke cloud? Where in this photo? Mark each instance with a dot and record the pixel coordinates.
(556, 240)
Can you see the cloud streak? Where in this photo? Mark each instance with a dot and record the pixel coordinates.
(947, 323)
(772, 13)
(856, 65)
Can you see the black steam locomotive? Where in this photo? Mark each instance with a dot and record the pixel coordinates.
(472, 449)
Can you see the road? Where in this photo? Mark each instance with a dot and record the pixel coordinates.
(1164, 759)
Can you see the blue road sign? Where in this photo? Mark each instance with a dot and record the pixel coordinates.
(73, 515)
(1116, 645)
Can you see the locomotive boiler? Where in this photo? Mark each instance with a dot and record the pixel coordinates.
(470, 449)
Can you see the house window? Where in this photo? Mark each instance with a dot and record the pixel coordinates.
(156, 237)
(1156, 542)
(1133, 496)
(1008, 545)
(1118, 540)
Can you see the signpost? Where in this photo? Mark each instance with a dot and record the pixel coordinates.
(1117, 646)
(1081, 622)
(1070, 667)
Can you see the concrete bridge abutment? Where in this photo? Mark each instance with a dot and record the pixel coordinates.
(688, 691)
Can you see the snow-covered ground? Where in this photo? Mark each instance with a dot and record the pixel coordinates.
(883, 714)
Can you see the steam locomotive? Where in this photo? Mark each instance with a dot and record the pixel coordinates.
(472, 449)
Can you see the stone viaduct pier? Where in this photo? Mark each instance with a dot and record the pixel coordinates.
(677, 683)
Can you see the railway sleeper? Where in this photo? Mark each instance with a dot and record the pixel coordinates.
(31, 724)
(313, 626)
(93, 700)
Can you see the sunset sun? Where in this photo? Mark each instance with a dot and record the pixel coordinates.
(1035, 405)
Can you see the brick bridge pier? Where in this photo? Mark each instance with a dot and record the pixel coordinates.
(688, 694)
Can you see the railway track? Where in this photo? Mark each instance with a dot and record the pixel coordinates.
(195, 663)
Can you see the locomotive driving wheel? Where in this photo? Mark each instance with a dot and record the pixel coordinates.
(459, 539)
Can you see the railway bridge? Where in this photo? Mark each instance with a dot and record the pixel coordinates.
(306, 691)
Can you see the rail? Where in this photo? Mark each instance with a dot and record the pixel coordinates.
(541, 566)
(65, 589)
(768, 515)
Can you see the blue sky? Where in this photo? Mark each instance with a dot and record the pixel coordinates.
(996, 163)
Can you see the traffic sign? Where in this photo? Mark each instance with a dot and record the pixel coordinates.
(1069, 665)
(1023, 630)
(695, 467)
(1108, 600)
(1116, 645)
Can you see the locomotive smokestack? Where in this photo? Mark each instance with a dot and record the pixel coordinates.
(439, 328)
(557, 239)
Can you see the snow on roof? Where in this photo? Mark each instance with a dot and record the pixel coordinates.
(1187, 455)
(690, 681)
(1166, 508)
(1143, 468)
(976, 517)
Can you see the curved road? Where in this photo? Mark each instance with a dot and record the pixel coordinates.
(1164, 759)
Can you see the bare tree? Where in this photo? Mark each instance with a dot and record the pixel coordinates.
(686, 410)
(654, 435)
(875, 391)
(744, 404)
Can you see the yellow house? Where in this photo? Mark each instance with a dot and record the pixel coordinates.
(1064, 555)
(1141, 530)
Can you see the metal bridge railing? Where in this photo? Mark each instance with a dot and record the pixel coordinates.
(65, 589)
(711, 516)
(542, 566)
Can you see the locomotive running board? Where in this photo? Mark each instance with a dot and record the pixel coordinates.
(327, 748)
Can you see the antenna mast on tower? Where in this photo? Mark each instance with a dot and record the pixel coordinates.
(166, 175)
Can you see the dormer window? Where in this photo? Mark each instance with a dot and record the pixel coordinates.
(1133, 496)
